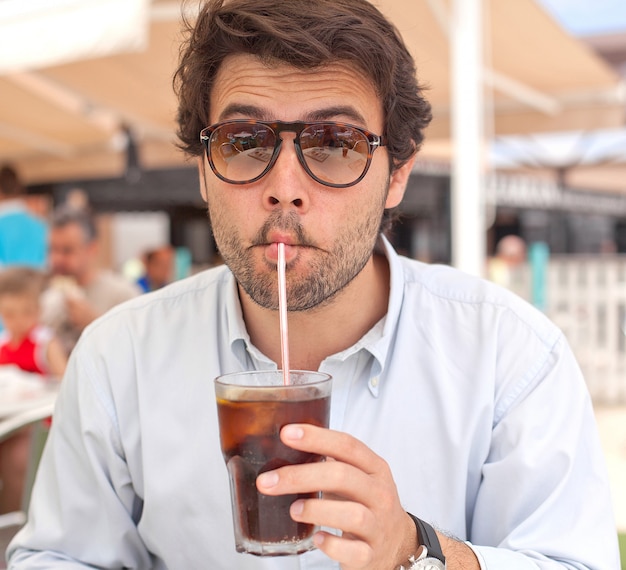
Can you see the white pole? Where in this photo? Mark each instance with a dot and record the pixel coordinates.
(468, 202)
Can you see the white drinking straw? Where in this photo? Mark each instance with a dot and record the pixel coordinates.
(282, 312)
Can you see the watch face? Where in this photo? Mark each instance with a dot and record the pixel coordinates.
(428, 564)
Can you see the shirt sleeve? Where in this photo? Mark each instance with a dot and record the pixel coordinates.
(544, 501)
(83, 484)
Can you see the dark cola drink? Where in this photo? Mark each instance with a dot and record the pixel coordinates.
(250, 419)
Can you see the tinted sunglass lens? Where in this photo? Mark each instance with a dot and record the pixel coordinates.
(241, 151)
(335, 153)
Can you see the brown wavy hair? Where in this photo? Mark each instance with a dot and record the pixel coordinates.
(10, 184)
(305, 34)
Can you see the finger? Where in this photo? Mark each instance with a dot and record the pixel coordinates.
(354, 519)
(335, 444)
(348, 552)
(335, 478)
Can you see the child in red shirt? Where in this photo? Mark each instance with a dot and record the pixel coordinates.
(33, 348)
(31, 352)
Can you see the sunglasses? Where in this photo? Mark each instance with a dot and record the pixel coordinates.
(334, 154)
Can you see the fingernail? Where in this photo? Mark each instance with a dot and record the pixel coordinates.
(297, 507)
(293, 432)
(318, 539)
(269, 479)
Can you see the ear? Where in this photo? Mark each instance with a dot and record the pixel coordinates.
(397, 183)
(202, 175)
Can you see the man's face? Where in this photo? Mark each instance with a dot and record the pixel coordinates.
(69, 251)
(329, 232)
(160, 269)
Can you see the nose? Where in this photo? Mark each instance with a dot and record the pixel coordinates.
(286, 183)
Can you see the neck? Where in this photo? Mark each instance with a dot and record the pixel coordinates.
(334, 327)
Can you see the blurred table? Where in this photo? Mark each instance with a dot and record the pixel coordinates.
(24, 393)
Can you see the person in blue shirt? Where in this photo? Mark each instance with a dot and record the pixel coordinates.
(23, 236)
(158, 268)
(453, 400)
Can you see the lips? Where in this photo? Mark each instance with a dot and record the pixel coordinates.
(277, 236)
(271, 252)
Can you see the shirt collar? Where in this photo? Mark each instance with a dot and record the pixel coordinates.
(248, 355)
(378, 340)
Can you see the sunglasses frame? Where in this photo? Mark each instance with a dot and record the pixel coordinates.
(373, 140)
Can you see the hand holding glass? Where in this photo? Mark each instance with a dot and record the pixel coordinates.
(252, 409)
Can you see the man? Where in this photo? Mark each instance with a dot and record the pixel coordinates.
(80, 289)
(159, 266)
(452, 399)
(23, 236)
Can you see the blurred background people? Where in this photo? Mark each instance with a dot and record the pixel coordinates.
(31, 347)
(23, 236)
(511, 250)
(159, 268)
(80, 290)
(504, 266)
(25, 342)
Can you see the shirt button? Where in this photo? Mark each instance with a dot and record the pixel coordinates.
(374, 382)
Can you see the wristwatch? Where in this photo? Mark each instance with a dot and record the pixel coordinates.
(430, 556)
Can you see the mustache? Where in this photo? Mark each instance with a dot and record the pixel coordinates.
(288, 223)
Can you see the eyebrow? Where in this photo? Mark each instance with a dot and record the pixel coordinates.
(261, 114)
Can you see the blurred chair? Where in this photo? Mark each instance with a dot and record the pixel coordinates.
(10, 523)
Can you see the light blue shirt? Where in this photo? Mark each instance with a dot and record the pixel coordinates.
(472, 396)
(23, 236)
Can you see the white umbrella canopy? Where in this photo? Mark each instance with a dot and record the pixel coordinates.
(64, 121)
(540, 77)
(590, 160)
(30, 31)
